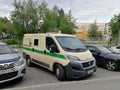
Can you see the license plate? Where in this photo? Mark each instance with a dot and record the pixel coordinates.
(7, 71)
(90, 71)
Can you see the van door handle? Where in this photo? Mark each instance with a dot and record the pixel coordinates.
(44, 51)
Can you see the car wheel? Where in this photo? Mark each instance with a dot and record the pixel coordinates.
(59, 72)
(111, 65)
(28, 62)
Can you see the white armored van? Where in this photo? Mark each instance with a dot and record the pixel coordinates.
(60, 53)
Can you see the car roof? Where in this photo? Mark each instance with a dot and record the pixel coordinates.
(1, 43)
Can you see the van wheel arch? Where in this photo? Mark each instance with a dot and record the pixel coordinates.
(59, 71)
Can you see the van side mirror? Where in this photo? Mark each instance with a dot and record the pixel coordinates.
(53, 48)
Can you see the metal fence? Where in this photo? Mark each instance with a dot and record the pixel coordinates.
(102, 41)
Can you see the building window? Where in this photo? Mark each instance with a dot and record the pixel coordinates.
(36, 42)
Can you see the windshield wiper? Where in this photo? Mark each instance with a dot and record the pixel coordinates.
(81, 49)
(68, 48)
(75, 50)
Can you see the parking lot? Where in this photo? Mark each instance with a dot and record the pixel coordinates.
(39, 76)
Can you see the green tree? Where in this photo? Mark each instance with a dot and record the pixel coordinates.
(6, 26)
(93, 31)
(9, 28)
(30, 17)
(115, 26)
(42, 10)
(3, 21)
(56, 19)
(66, 22)
(24, 16)
(65, 27)
(50, 22)
(49, 18)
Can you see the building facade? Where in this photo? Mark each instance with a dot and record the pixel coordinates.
(83, 29)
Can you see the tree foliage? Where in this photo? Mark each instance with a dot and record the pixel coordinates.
(50, 22)
(24, 16)
(6, 26)
(31, 17)
(93, 31)
(115, 26)
(65, 22)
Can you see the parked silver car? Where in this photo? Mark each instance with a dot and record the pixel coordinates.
(116, 49)
(12, 65)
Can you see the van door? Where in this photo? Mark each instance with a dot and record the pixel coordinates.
(49, 58)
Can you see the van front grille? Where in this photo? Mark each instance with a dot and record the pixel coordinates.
(87, 64)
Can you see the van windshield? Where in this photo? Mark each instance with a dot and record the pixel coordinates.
(4, 49)
(71, 44)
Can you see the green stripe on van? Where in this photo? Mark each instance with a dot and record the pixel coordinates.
(47, 53)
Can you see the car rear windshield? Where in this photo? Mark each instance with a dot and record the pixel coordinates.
(4, 49)
(71, 44)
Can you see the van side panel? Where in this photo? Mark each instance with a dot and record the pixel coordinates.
(53, 58)
(39, 54)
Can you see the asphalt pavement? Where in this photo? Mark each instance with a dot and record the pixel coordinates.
(95, 84)
(38, 78)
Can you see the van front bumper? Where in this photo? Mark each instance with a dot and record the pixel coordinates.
(75, 70)
(19, 72)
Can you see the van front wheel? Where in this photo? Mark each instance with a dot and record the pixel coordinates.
(59, 72)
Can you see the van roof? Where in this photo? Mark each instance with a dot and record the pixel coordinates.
(49, 34)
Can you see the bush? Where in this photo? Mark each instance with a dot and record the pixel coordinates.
(12, 41)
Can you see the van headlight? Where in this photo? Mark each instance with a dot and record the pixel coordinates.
(72, 58)
(19, 62)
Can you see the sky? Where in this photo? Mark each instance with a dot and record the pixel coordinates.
(84, 11)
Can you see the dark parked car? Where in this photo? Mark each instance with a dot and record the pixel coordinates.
(104, 57)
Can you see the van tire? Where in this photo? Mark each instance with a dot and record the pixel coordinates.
(28, 62)
(59, 72)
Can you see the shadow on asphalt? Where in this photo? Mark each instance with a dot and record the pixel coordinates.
(66, 80)
(10, 84)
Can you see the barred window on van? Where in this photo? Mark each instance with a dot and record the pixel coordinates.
(36, 42)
